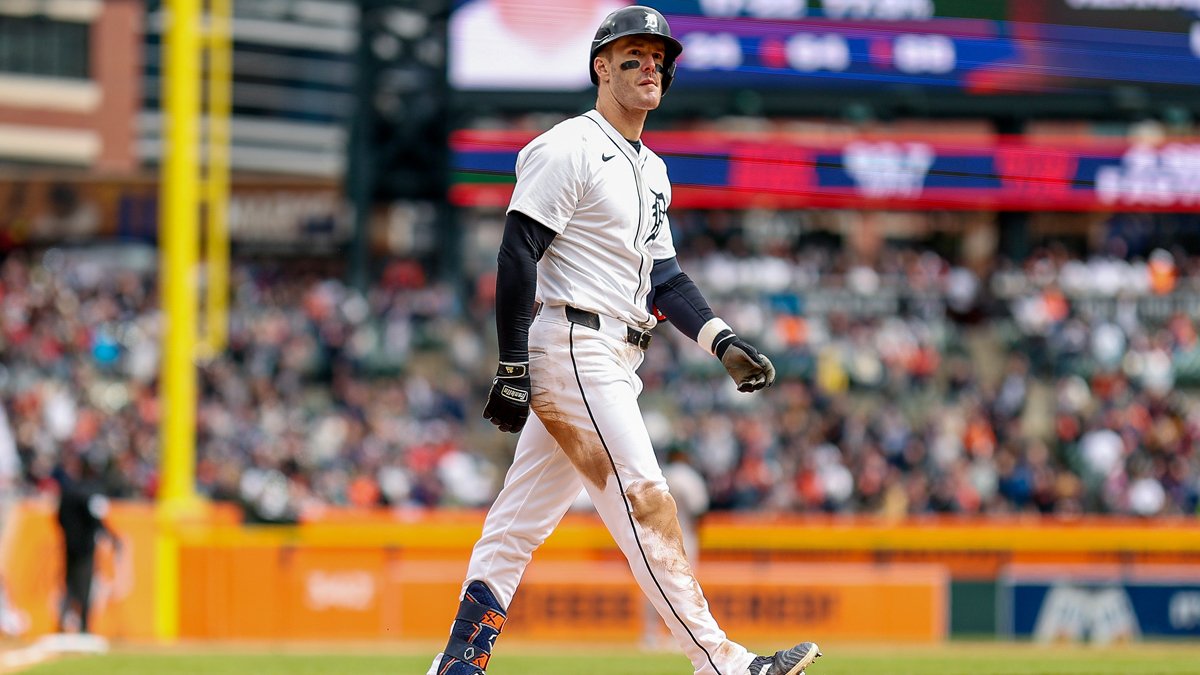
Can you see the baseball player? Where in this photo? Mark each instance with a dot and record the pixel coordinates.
(585, 260)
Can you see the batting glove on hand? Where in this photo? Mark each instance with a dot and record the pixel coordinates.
(750, 369)
(508, 402)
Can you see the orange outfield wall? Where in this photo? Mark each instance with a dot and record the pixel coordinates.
(396, 574)
(31, 568)
(371, 593)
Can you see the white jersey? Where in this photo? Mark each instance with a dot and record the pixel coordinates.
(608, 204)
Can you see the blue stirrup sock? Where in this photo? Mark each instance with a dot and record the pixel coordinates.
(476, 627)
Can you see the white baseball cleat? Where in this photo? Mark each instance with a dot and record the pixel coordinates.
(790, 662)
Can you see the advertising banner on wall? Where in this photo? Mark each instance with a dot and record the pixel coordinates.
(1099, 604)
(778, 170)
(362, 593)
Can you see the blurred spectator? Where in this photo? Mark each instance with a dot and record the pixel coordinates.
(1052, 384)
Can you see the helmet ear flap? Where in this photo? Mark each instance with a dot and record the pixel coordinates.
(668, 75)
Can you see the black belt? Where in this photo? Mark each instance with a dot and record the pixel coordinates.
(635, 337)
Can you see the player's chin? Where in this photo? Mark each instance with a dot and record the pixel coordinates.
(651, 99)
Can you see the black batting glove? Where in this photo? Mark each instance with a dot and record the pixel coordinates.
(748, 367)
(508, 402)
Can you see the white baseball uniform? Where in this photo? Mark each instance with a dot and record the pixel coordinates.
(607, 202)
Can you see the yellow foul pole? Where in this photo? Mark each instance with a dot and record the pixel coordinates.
(179, 243)
(220, 72)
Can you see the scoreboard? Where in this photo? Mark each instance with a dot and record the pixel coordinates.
(975, 47)
(984, 47)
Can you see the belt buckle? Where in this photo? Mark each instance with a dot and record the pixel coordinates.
(639, 338)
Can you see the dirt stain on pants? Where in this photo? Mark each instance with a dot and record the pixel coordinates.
(654, 509)
(582, 447)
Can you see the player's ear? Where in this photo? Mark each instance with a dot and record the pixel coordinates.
(600, 64)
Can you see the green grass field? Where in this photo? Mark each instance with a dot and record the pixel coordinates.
(951, 659)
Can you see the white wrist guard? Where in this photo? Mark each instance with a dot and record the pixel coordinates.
(709, 332)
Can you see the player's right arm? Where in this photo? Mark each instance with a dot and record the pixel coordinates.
(524, 243)
(674, 295)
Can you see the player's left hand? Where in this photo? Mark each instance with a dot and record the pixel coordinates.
(748, 367)
(508, 402)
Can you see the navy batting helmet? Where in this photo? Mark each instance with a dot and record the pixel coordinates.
(637, 20)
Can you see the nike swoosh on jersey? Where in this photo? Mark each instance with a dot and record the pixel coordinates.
(605, 158)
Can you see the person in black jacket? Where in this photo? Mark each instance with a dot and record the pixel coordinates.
(82, 508)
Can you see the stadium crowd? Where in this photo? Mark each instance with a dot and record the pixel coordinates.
(908, 384)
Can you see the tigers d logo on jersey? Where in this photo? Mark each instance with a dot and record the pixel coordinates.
(659, 213)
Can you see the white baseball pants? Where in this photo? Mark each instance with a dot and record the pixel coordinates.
(588, 430)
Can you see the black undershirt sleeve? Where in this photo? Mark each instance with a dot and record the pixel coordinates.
(524, 243)
(678, 298)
